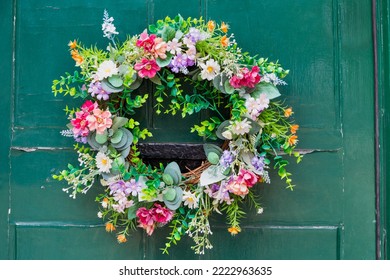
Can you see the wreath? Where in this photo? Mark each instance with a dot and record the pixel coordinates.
(238, 89)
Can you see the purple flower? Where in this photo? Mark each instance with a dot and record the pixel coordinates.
(95, 89)
(179, 63)
(80, 139)
(258, 163)
(194, 35)
(226, 159)
(118, 186)
(133, 187)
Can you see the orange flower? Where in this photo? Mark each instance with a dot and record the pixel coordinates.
(110, 227)
(293, 140)
(121, 238)
(225, 41)
(77, 57)
(73, 44)
(288, 112)
(294, 128)
(234, 230)
(224, 27)
(211, 25)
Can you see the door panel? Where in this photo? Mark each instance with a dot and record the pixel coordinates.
(327, 46)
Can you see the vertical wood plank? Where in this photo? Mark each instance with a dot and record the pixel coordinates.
(6, 51)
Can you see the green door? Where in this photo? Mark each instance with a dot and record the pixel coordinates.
(326, 44)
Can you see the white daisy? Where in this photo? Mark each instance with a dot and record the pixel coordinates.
(106, 69)
(210, 69)
(190, 200)
(103, 162)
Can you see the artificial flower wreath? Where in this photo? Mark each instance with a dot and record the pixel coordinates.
(201, 54)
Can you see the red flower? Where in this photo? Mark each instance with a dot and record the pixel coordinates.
(147, 68)
(246, 78)
(145, 41)
(161, 214)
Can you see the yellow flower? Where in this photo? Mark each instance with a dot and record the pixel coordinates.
(110, 227)
(211, 25)
(224, 41)
(234, 230)
(294, 128)
(293, 140)
(73, 44)
(288, 112)
(224, 27)
(121, 238)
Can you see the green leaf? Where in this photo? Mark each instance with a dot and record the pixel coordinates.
(131, 214)
(164, 62)
(269, 89)
(156, 80)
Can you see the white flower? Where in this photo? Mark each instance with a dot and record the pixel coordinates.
(106, 69)
(174, 46)
(241, 128)
(108, 27)
(210, 69)
(190, 200)
(103, 162)
(260, 211)
(100, 215)
(256, 106)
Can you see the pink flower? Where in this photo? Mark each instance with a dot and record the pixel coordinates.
(246, 177)
(144, 216)
(89, 106)
(161, 214)
(147, 68)
(237, 188)
(246, 78)
(145, 41)
(253, 77)
(160, 48)
(99, 121)
(80, 124)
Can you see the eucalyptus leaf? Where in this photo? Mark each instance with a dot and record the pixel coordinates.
(211, 148)
(116, 138)
(102, 138)
(118, 122)
(269, 89)
(92, 141)
(125, 152)
(115, 81)
(228, 87)
(176, 202)
(173, 169)
(213, 158)
(109, 88)
(169, 194)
